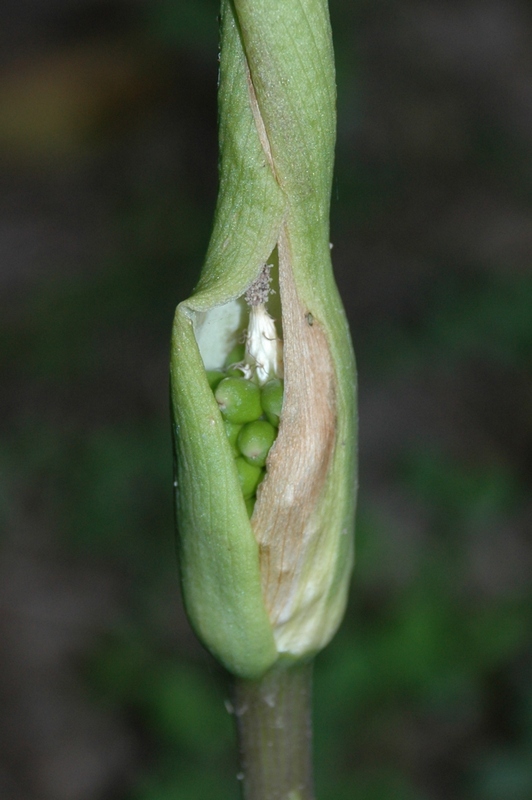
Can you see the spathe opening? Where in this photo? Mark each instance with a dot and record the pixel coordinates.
(222, 328)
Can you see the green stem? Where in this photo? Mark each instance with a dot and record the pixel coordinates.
(273, 717)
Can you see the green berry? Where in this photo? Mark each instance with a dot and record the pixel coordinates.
(214, 376)
(250, 505)
(249, 476)
(255, 440)
(239, 400)
(236, 355)
(232, 432)
(272, 400)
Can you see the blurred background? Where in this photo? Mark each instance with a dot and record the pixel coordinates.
(108, 180)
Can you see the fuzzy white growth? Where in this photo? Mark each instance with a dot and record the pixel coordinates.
(264, 350)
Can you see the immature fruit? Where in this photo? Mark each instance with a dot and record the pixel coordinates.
(214, 376)
(272, 400)
(239, 400)
(250, 505)
(232, 432)
(254, 441)
(249, 476)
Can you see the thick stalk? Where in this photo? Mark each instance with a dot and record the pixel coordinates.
(273, 718)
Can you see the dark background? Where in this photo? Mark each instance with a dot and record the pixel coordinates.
(107, 187)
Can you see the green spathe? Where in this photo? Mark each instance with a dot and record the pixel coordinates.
(277, 129)
(218, 554)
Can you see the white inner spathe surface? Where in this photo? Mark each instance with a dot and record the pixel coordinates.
(217, 331)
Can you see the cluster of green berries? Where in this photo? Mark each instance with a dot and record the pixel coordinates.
(251, 417)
